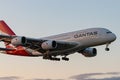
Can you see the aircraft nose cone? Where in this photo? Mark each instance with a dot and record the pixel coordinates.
(114, 37)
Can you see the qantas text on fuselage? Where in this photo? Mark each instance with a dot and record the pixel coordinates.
(86, 34)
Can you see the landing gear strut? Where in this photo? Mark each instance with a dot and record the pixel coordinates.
(107, 49)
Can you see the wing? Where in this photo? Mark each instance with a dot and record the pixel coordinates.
(49, 48)
(43, 45)
(40, 45)
(6, 38)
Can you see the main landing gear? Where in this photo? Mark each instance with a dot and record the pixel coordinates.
(107, 49)
(48, 57)
(65, 58)
(54, 58)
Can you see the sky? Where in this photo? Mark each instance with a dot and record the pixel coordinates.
(41, 18)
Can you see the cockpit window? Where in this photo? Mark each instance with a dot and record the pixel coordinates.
(108, 32)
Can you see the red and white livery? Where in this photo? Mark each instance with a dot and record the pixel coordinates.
(50, 47)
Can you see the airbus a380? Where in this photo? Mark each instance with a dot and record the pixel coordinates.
(50, 47)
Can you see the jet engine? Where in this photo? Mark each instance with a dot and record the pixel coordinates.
(89, 52)
(17, 41)
(49, 45)
(20, 41)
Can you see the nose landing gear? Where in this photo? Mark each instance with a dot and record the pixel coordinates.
(107, 49)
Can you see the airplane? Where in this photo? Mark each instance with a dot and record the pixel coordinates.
(51, 47)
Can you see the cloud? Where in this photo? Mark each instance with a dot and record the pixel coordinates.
(9, 78)
(47, 79)
(88, 76)
(19, 78)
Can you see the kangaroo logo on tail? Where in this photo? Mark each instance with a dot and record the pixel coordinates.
(5, 29)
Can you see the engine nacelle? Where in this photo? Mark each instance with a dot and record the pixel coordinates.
(49, 45)
(18, 41)
(89, 52)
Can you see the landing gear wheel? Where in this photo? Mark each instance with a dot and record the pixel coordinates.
(107, 49)
(64, 58)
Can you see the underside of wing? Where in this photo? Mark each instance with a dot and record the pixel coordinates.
(6, 38)
(42, 45)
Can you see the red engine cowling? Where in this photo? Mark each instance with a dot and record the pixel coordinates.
(89, 52)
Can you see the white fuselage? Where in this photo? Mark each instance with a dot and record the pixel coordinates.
(87, 37)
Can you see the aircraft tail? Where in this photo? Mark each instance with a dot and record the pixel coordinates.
(5, 29)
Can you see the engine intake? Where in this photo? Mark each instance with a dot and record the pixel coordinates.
(49, 45)
(89, 52)
(18, 41)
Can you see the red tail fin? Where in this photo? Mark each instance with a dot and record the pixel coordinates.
(5, 29)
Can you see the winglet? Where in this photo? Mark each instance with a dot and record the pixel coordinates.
(5, 29)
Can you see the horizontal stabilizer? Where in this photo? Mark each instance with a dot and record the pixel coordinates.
(7, 49)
